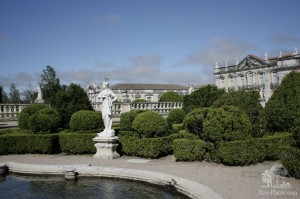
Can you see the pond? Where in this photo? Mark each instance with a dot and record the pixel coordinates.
(13, 186)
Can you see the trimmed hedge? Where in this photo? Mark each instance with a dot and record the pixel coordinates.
(74, 143)
(290, 159)
(254, 150)
(276, 144)
(23, 118)
(175, 116)
(239, 153)
(150, 147)
(178, 127)
(127, 119)
(86, 120)
(189, 150)
(29, 143)
(45, 120)
(150, 124)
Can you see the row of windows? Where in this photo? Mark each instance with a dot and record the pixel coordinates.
(250, 80)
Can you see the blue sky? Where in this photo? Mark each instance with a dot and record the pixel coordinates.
(139, 41)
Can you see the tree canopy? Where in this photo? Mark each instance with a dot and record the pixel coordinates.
(50, 84)
(170, 97)
(14, 94)
(283, 108)
(203, 97)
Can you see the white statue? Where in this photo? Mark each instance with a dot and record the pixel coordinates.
(39, 98)
(262, 93)
(191, 89)
(108, 98)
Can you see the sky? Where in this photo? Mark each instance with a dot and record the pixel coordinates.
(139, 41)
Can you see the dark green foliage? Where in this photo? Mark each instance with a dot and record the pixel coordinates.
(139, 100)
(86, 120)
(23, 119)
(189, 150)
(175, 116)
(127, 119)
(193, 121)
(203, 97)
(70, 101)
(276, 144)
(240, 153)
(1, 94)
(226, 124)
(45, 120)
(150, 124)
(50, 84)
(177, 127)
(150, 147)
(14, 94)
(247, 101)
(74, 143)
(290, 160)
(170, 97)
(28, 143)
(283, 108)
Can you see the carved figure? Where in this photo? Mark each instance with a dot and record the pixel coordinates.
(108, 98)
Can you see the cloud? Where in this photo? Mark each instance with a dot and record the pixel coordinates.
(142, 69)
(22, 80)
(283, 38)
(220, 50)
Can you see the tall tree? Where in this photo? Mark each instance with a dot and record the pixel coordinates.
(50, 84)
(29, 95)
(283, 108)
(14, 94)
(1, 91)
(4, 96)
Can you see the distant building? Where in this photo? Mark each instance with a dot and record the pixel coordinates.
(148, 92)
(255, 73)
(131, 92)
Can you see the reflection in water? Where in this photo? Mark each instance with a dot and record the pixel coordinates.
(54, 188)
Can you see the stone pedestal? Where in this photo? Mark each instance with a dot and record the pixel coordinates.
(106, 147)
(39, 101)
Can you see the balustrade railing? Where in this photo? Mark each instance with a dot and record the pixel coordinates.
(11, 111)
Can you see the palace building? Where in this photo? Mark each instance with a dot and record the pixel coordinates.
(255, 73)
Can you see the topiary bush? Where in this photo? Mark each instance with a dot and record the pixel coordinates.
(86, 120)
(23, 118)
(188, 150)
(44, 121)
(226, 124)
(177, 127)
(175, 116)
(170, 97)
(247, 101)
(74, 143)
(23, 143)
(240, 153)
(193, 121)
(290, 160)
(150, 124)
(127, 119)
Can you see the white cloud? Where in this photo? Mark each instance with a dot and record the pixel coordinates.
(220, 50)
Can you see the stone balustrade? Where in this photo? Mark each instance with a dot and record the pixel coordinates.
(11, 111)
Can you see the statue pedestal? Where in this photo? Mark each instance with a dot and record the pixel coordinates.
(39, 101)
(106, 147)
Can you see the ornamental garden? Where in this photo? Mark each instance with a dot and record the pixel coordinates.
(227, 128)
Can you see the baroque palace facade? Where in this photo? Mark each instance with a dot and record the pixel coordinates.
(254, 73)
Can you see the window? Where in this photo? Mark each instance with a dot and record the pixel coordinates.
(261, 80)
(222, 85)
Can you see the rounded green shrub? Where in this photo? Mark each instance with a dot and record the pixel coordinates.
(290, 159)
(23, 118)
(188, 150)
(44, 121)
(193, 121)
(86, 120)
(175, 116)
(150, 124)
(127, 119)
(170, 97)
(226, 124)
